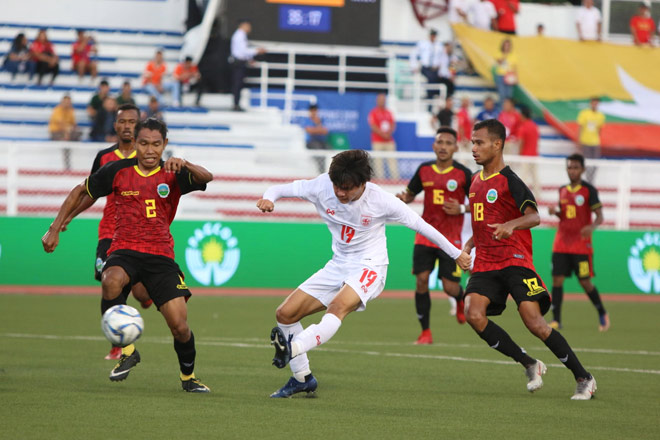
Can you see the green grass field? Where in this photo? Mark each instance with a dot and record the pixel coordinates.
(373, 382)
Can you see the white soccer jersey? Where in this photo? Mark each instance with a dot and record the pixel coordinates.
(358, 227)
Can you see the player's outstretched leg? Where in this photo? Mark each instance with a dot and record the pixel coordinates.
(129, 358)
(302, 380)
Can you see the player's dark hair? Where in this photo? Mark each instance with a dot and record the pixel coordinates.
(576, 157)
(449, 130)
(350, 168)
(495, 129)
(152, 124)
(128, 106)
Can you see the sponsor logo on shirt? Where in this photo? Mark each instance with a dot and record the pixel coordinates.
(330, 211)
(163, 190)
(130, 193)
(212, 254)
(644, 262)
(491, 195)
(579, 200)
(471, 195)
(452, 185)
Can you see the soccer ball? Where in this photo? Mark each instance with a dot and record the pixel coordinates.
(122, 325)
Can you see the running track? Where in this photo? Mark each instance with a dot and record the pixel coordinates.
(264, 292)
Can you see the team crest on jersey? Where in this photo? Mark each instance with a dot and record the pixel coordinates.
(365, 220)
(491, 195)
(452, 185)
(163, 190)
(212, 254)
(579, 200)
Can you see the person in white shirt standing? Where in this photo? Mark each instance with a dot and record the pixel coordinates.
(355, 211)
(482, 15)
(425, 59)
(588, 22)
(241, 55)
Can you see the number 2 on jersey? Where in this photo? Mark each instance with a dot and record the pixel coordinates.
(347, 233)
(151, 208)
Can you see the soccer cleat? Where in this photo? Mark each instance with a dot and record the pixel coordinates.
(425, 338)
(604, 322)
(123, 367)
(146, 304)
(115, 353)
(193, 385)
(460, 313)
(555, 325)
(585, 389)
(282, 346)
(534, 373)
(294, 387)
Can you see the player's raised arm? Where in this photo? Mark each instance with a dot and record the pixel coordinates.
(200, 175)
(77, 197)
(273, 194)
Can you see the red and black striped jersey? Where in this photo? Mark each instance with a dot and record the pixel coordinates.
(496, 200)
(145, 204)
(107, 224)
(576, 205)
(439, 185)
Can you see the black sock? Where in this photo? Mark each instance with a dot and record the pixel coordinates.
(557, 299)
(594, 296)
(186, 353)
(107, 303)
(461, 294)
(423, 306)
(500, 340)
(560, 348)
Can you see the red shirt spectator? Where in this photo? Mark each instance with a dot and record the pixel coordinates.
(186, 72)
(506, 11)
(155, 70)
(381, 119)
(464, 125)
(528, 133)
(41, 47)
(510, 117)
(642, 26)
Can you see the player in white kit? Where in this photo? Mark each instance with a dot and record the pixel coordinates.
(356, 212)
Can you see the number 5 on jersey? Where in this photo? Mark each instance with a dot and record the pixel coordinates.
(151, 208)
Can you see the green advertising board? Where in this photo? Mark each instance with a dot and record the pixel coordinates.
(282, 255)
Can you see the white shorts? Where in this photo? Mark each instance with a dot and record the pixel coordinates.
(367, 281)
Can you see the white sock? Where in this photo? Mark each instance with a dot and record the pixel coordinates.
(315, 334)
(300, 364)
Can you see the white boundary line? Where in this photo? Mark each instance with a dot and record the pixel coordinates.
(257, 343)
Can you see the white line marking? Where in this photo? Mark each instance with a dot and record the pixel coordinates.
(261, 344)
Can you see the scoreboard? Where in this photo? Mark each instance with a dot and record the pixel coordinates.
(343, 22)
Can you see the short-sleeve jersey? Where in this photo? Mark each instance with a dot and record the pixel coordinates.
(498, 199)
(358, 227)
(107, 224)
(575, 212)
(145, 204)
(439, 185)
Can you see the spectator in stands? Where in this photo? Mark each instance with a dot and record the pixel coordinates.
(540, 30)
(642, 26)
(590, 121)
(382, 124)
(510, 118)
(506, 15)
(458, 11)
(588, 22)
(43, 54)
(464, 124)
(96, 103)
(317, 133)
(62, 125)
(483, 15)
(506, 74)
(19, 59)
(490, 111)
(155, 83)
(103, 127)
(126, 95)
(528, 134)
(188, 76)
(426, 59)
(153, 110)
(241, 55)
(445, 116)
(81, 55)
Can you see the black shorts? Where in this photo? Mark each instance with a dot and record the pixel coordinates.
(424, 260)
(101, 256)
(160, 275)
(521, 283)
(567, 264)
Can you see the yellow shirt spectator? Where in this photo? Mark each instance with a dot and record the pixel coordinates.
(62, 119)
(590, 123)
(509, 64)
